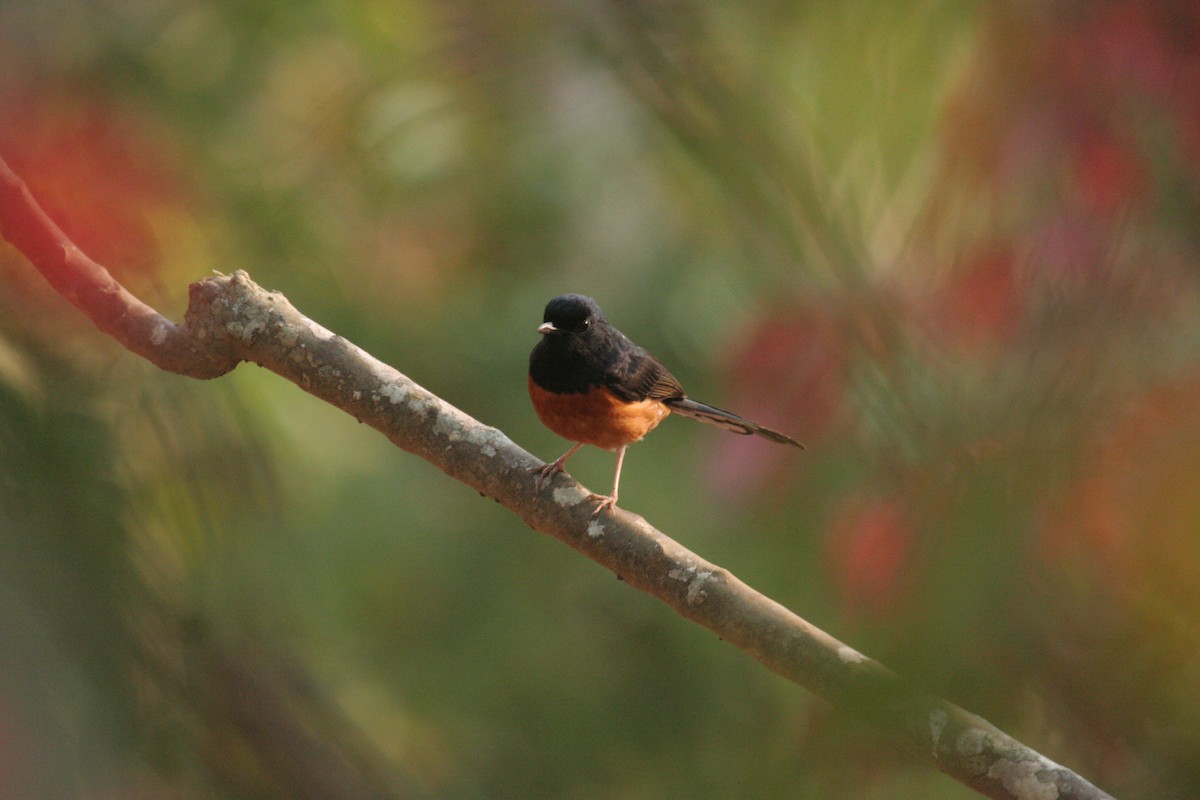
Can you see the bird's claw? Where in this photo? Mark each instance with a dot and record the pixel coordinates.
(544, 473)
(606, 501)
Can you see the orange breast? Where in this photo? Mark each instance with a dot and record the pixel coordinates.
(596, 417)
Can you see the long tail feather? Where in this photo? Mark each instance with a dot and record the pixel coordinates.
(727, 420)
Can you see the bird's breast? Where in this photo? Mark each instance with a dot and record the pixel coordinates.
(596, 416)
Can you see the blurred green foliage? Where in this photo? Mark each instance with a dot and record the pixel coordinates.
(951, 246)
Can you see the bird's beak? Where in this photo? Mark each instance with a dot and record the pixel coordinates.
(547, 327)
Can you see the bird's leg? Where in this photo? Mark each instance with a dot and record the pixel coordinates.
(611, 501)
(546, 471)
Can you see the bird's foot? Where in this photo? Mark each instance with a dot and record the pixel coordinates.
(606, 501)
(546, 472)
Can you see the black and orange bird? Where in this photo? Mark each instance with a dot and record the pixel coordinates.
(591, 385)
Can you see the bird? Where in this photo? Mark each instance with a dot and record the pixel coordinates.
(590, 384)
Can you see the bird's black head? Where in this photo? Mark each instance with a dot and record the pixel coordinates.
(571, 314)
(578, 348)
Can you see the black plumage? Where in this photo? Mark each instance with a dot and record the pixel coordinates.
(587, 352)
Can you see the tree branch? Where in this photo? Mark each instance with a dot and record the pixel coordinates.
(231, 319)
(91, 289)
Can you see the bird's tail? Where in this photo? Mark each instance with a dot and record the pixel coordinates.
(727, 420)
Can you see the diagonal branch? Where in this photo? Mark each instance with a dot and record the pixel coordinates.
(231, 319)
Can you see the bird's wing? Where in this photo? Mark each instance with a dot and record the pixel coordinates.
(637, 375)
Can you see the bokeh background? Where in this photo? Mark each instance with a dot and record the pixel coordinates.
(954, 247)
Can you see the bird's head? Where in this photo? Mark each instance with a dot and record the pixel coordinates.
(570, 315)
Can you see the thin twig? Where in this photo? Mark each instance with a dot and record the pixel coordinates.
(91, 289)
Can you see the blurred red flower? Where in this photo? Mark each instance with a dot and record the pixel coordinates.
(981, 305)
(96, 170)
(1109, 173)
(788, 372)
(869, 547)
